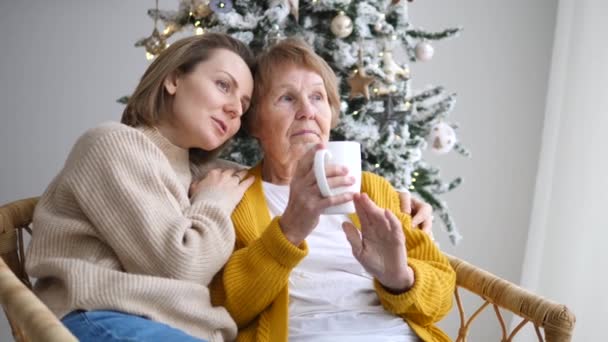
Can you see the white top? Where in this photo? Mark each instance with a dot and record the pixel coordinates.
(331, 296)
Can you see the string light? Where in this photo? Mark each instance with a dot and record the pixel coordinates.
(149, 56)
(377, 166)
(199, 31)
(416, 174)
(356, 112)
(412, 187)
(413, 180)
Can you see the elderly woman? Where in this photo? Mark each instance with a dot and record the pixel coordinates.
(298, 275)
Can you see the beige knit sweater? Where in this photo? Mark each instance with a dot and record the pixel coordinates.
(116, 230)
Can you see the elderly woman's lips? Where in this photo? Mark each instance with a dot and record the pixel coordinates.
(304, 132)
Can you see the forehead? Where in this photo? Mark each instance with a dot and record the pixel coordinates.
(291, 73)
(228, 61)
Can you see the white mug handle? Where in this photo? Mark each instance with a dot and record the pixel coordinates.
(321, 156)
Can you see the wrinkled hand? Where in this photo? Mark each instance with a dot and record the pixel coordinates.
(380, 246)
(421, 212)
(305, 202)
(224, 187)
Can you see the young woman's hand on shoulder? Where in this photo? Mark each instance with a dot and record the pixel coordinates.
(224, 187)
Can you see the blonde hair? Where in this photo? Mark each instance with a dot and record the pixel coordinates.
(291, 51)
(150, 100)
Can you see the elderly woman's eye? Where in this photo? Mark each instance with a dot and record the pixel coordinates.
(317, 97)
(286, 98)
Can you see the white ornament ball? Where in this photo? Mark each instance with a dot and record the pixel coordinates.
(342, 25)
(424, 51)
(442, 138)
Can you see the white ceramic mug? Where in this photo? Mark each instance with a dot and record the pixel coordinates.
(345, 153)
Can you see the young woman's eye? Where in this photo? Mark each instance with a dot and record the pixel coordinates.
(223, 85)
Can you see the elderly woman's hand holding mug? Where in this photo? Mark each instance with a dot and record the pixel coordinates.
(306, 203)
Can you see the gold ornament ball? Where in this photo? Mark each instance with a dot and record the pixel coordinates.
(342, 25)
(201, 9)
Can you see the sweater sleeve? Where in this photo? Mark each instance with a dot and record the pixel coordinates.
(430, 299)
(128, 191)
(257, 273)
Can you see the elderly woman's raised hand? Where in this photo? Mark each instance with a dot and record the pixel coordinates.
(380, 246)
(305, 202)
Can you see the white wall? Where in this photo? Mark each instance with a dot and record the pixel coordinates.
(63, 64)
(568, 228)
(499, 67)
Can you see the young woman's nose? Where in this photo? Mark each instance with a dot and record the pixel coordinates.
(233, 107)
(305, 110)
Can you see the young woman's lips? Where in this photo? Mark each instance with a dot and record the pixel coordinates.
(220, 124)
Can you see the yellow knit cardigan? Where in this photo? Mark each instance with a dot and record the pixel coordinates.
(253, 284)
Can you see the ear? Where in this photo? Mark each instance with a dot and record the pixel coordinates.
(170, 83)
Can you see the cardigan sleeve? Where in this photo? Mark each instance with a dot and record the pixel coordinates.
(127, 189)
(430, 299)
(256, 274)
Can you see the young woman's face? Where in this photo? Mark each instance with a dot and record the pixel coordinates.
(209, 101)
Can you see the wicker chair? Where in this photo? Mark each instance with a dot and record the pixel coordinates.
(31, 320)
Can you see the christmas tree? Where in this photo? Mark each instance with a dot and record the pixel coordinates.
(359, 39)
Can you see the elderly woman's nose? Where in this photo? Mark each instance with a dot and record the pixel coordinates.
(306, 110)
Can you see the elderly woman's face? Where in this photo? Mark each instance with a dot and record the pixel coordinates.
(293, 114)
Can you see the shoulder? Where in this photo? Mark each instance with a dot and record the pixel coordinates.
(379, 190)
(108, 140)
(372, 180)
(106, 131)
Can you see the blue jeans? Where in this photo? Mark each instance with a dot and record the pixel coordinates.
(114, 326)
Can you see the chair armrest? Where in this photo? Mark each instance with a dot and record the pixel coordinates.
(556, 319)
(33, 316)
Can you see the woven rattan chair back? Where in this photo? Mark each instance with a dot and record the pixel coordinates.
(31, 320)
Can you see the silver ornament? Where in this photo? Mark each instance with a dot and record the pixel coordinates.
(342, 25)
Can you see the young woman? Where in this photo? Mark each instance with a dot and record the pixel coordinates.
(123, 246)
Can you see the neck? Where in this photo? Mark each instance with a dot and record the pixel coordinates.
(170, 133)
(279, 173)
